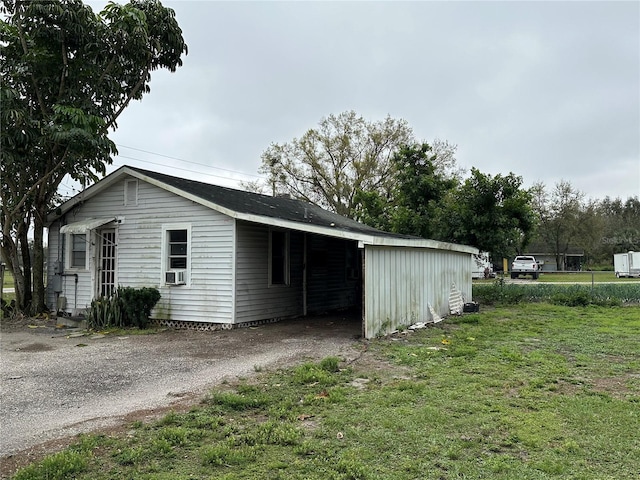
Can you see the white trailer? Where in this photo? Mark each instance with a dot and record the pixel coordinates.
(627, 264)
(481, 266)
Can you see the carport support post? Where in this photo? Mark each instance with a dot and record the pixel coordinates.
(304, 275)
(362, 286)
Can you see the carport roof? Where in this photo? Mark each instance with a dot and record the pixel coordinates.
(275, 211)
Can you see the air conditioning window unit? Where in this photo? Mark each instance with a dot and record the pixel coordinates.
(174, 277)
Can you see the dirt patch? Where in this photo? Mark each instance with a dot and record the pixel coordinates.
(35, 347)
(51, 390)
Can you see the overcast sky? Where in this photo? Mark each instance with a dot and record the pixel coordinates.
(547, 90)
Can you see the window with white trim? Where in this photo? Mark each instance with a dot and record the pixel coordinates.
(278, 257)
(178, 248)
(77, 251)
(176, 254)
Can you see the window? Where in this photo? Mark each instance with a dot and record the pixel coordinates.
(78, 251)
(176, 254)
(279, 258)
(178, 243)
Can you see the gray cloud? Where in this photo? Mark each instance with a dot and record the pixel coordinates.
(548, 90)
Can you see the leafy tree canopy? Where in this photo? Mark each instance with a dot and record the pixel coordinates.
(330, 163)
(67, 74)
(414, 201)
(492, 213)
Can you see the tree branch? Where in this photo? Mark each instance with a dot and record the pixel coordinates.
(65, 63)
(132, 94)
(25, 49)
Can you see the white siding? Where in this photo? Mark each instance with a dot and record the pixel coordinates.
(208, 297)
(78, 295)
(401, 282)
(255, 299)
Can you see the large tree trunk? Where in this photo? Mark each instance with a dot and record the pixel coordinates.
(38, 301)
(25, 254)
(12, 256)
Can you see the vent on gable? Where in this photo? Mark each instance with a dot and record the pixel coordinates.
(131, 193)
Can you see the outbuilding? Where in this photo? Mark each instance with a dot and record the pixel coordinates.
(222, 257)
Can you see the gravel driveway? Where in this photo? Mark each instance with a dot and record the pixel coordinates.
(53, 385)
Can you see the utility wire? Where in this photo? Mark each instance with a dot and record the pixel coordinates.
(199, 172)
(188, 161)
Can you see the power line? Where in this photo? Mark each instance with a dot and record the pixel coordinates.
(182, 169)
(188, 161)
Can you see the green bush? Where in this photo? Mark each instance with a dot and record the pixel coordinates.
(137, 304)
(127, 307)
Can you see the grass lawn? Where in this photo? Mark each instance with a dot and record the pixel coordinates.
(8, 279)
(7, 283)
(584, 277)
(533, 391)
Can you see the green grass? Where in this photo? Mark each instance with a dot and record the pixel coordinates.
(603, 294)
(8, 279)
(533, 391)
(581, 277)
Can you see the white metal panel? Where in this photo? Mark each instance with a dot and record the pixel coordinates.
(400, 283)
(84, 226)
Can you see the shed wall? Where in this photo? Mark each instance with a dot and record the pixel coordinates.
(401, 282)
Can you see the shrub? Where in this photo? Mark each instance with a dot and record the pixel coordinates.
(500, 293)
(105, 312)
(127, 307)
(137, 304)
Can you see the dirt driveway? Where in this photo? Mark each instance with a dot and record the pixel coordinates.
(53, 385)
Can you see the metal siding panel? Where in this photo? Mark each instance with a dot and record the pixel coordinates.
(400, 282)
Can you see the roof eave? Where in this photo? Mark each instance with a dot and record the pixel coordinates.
(336, 232)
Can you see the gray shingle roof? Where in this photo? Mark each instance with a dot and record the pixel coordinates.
(266, 206)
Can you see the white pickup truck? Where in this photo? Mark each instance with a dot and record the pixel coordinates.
(525, 265)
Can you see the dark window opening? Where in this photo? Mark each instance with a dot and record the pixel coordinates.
(279, 258)
(178, 248)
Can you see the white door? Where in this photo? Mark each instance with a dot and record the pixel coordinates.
(106, 262)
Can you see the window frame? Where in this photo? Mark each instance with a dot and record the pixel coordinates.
(166, 252)
(286, 258)
(69, 263)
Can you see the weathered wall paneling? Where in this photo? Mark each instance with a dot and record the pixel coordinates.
(208, 297)
(401, 282)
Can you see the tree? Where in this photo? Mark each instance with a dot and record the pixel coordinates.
(329, 164)
(620, 230)
(67, 75)
(560, 214)
(493, 214)
(413, 205)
